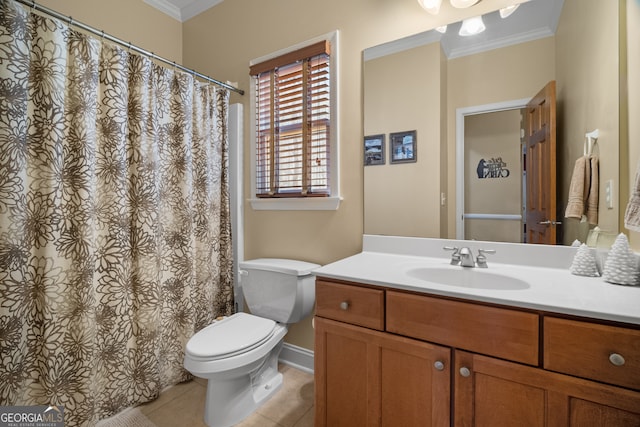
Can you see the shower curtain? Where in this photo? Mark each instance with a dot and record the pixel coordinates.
(115, 239)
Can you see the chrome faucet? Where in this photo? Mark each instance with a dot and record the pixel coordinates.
(464, 256)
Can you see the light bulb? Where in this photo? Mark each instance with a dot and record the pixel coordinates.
(472, 26)
(431, 6)
(506, 11)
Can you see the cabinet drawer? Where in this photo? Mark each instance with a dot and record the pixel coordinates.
(589, 350)
(351, 304)
(504, 333)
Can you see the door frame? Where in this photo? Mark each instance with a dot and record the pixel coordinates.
(461, 113)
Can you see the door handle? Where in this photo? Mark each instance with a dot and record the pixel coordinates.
(547, 222)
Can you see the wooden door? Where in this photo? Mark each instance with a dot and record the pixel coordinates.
(540, 165)
(370, 378)
(493, 392)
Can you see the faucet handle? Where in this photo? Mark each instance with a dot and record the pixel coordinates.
(455, 256)
(481, 260)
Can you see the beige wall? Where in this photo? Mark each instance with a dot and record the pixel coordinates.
(410, 101)
(587, 93)
(131, 21)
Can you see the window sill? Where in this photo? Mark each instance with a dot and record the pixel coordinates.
(299, 204)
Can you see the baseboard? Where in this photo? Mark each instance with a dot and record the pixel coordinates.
(297, 357)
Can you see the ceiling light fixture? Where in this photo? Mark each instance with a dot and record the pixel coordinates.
(433, 6)
(442, 29)
(472, 26)
(462, 4)
(507, 11)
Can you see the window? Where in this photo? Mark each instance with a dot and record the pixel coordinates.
(294, 135)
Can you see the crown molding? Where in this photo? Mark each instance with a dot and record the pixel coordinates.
(186, 11)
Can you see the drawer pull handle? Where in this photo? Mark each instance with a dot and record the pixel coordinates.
(344, 305)
(439, 365)
(616, 359)
(465, 372)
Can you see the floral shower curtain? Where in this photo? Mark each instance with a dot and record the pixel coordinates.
(115, 240)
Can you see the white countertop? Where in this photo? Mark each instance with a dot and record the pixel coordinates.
(385, 261)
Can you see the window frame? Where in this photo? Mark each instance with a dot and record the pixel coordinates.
(332, 201)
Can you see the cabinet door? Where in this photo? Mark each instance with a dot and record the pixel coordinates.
(369, 378)
(492, 392)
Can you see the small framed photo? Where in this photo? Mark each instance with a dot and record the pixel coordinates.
(374, 150)
(403, 147)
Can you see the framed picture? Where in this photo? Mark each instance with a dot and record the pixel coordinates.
(403, 147)
(374, 150)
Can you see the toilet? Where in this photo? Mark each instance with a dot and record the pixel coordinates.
(238, 355)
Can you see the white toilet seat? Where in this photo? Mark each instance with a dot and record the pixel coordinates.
(205, 366)
(236, 334)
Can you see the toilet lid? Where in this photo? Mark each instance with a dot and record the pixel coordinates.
(230, 335)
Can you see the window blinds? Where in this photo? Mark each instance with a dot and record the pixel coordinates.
(293, 123)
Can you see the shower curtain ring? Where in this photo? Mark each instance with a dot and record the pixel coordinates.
(70, 20)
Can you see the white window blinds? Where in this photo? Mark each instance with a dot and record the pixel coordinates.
(293, 123)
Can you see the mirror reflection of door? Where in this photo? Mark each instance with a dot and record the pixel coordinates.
(493, 172)
(540, 139)
(502, 147)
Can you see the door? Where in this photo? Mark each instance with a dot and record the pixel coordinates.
(540, 166)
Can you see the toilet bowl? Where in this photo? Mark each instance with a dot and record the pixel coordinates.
(238, 355)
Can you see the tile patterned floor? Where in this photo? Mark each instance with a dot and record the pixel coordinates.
(183, 404)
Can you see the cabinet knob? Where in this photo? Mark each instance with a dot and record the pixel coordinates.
(344, 305)
(616, 359)
(465, 372)
(439, 365)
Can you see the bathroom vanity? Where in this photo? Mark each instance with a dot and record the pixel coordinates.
(403, 338)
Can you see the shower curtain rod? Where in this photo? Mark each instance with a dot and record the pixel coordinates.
(128, 45)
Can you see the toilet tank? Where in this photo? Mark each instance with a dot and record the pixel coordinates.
(279, 289)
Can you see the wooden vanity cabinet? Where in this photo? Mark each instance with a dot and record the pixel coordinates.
(367, 377)
(406, 359)
(370, 378)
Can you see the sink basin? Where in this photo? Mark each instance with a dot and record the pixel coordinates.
(467, 278)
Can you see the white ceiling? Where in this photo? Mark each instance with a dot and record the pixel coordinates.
(182, 9)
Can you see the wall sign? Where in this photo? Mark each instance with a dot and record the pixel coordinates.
(494, 168)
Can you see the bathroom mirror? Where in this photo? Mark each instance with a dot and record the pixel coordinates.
(441, 85)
